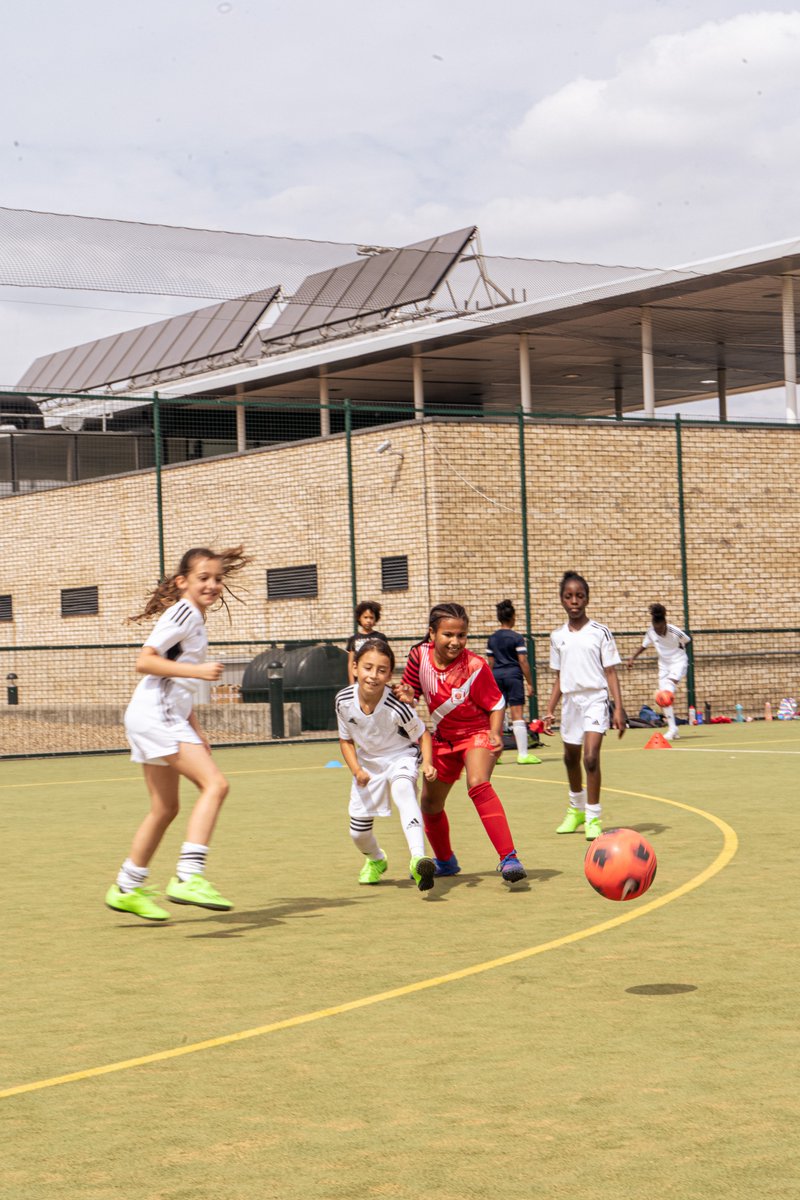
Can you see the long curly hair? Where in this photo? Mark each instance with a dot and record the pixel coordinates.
(166, 592)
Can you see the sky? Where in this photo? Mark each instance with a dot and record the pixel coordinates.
(642, 133)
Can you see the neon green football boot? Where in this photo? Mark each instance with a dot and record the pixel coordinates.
(196, 890)
(573, 820)
(139, 902)
(527, 760)
(593, 829)
(422, 872)
(372, 870)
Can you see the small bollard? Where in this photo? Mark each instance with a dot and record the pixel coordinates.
(12, 691)
(275, 680)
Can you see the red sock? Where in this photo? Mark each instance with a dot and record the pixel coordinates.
(437, 831)
(492, 813)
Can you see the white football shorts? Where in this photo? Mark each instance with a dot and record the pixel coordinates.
(669, 680)
(151, 741)
(583, 712)
(375, 800)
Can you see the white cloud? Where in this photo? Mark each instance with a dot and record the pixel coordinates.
(634, 133)
(720, 85)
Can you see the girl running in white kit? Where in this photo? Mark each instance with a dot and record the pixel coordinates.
(166, 739)
(585, 655)
(382, 741)
(673, 662)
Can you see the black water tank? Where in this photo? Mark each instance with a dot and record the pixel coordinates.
(312, 675)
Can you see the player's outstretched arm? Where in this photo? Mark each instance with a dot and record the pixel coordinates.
(426, 749)
(619, 720)
(552, 704)
(150, 662)
(349, 755)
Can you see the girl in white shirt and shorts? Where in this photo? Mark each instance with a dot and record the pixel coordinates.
(585, 656)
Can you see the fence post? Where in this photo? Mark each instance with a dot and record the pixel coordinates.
(533, 706)
(690, 686)
(348, 429)
(159, 497)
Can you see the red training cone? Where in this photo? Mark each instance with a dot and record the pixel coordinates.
(658, 742)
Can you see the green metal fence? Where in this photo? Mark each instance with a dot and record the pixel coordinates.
(702, 512)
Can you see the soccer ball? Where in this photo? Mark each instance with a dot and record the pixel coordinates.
(620, 864)
(664, 698)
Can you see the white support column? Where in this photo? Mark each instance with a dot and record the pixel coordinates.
(324, 411)
(722, 392)
(419, 388)
(525, 374)
(241, 422)
(648, 376)
(789, 350)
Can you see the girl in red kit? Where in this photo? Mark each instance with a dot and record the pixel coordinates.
(466, 708)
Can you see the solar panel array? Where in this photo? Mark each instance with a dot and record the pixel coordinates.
(373, 286)
(176, 342)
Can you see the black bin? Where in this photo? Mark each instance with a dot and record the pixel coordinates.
(312, 675)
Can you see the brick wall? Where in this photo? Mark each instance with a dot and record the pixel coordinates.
(601, 499)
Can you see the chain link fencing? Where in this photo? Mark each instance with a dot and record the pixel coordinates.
(340, 503)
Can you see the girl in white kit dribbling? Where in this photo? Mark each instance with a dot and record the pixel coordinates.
(166, 739)
(384, 743)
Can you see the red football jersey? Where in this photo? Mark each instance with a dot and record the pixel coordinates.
(460, 698)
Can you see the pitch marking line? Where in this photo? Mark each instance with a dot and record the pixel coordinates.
(138, 778)
(729, 750)
(729, 848)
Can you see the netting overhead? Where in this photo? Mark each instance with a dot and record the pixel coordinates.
(56, 250)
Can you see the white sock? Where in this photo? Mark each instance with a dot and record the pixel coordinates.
(593, 812)
(192, 861)
(130, 876)
(578, 799)
(669, 713)
(364, 838)
(520, 731)
(404, 795)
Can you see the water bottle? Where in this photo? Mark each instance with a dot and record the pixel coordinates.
(692, 715)
(767, 711)
(739, 713)
(708, 712)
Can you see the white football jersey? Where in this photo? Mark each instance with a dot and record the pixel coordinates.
(580, 656)
(180, 635)
(391, 731)
(670, 649)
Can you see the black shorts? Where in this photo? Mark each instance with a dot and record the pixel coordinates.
(512, 685)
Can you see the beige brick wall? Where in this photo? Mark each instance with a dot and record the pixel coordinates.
(601, 499)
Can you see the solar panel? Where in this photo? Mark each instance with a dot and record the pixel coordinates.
(377, 284)
(219, 329)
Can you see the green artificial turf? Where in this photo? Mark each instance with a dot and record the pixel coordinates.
(655, 1057)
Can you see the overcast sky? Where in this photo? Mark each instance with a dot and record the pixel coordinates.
(639, 133)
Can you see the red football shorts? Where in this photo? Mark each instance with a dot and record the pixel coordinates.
(448, 757)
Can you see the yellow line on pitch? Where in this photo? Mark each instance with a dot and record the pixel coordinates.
(138, 778)
(730, 845)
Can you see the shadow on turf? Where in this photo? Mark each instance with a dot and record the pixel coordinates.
(649, 827)
(446, 884)
(239, 923)
(661, 989)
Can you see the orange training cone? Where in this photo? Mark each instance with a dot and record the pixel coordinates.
(658, 742)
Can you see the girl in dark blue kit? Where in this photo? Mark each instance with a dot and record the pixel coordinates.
(507, 653)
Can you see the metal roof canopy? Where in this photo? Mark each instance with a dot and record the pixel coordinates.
(583, 328)
(583, 344)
